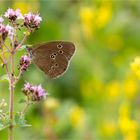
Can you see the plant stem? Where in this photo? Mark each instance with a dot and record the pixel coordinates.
(6, 46)
(24, 38)
(18, 77)
(11, 105)
(25, 108)
(5, 64)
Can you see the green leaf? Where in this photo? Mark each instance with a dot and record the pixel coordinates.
(4, 78)
(3, 127)
(22, 101)
(4, 124)
(20, 121)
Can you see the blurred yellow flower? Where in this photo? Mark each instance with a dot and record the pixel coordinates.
(127, 126)
(86, 15)
(26, 5)
(77, 117)
(104, 14)
(135, 66)
(113, 90)
(51, 103)
(130, 88)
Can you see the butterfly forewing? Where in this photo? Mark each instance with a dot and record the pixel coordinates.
(53, 57)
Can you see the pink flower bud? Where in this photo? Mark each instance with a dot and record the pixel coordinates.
(6, 31)
(34, 93)
(25, 61)
(32, 20)
(13, 15)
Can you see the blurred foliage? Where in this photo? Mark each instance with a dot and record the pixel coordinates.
(98, 97)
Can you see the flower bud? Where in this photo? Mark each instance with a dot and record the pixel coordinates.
(34, 93)
(25, 61)
(32, 21)
(13, 15)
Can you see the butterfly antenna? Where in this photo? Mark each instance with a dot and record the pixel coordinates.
(29, 50)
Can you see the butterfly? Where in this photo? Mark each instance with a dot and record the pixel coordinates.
(53, 58)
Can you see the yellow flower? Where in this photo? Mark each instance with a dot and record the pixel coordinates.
(127, 126)
(86, 16)
(104, 14)
(77, 117)
(130, 88)
(113, 90)
(135, 66)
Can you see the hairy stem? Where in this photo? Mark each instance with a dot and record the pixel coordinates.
(12, 86)
(11, 101)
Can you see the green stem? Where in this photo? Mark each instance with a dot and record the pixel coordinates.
(25, 108)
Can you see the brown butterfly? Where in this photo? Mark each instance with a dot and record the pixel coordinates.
(53, 57)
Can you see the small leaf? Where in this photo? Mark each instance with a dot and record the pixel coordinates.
(22, 101)
(1, 126)
(4, 78)
(4, 125)
(20, 120)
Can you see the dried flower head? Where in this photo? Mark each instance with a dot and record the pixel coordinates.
(32, 20)
(25, 61)
(13, 15)
(34, 93)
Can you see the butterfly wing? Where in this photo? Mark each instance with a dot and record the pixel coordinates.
(53, 57)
